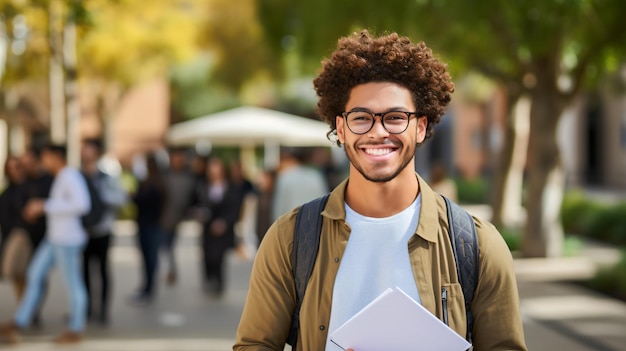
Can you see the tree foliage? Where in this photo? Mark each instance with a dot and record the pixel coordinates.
(131, 40)
(233, 32)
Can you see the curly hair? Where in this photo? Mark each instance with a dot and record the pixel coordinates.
(362, 58)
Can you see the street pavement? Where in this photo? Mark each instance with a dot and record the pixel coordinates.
(557, 313)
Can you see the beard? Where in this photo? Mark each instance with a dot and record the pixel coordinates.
(375, 174)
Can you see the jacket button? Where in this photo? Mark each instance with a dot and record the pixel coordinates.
(322, 327)
(336, 259)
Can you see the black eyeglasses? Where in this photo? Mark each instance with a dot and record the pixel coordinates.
(361, 122)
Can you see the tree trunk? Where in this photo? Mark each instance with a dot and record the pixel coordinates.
(56, 82)
(71, 93)
(4, 128)
(507, 192)
(543, 235)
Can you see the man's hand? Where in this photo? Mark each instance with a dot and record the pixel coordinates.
(218, 227)
(33, 209)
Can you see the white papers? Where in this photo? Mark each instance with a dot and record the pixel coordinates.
(395, 322)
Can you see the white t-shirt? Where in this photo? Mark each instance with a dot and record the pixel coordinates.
(376, 258)
(68, 201)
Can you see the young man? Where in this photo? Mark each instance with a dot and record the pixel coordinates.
(113, 197)
(383, 227)
(179, 188)
(63, 245)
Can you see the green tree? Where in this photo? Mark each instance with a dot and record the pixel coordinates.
(548, 50)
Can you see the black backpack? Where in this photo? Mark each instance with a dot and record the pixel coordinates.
(306, 242)
(96, 212)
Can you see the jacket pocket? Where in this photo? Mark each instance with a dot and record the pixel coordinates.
(453, 307)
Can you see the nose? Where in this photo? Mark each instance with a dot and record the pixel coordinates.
(378, 129)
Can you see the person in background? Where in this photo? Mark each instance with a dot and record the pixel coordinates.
(37, 185)
(198, 168)
(149, 200)
(221, 202)
(63, 245)
(265, 186)
(179, 186)
(295, 183)
(10, 215)
(245, 231)
(113, 198)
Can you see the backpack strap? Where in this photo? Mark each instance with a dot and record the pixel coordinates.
(462, 231)
(306, 242)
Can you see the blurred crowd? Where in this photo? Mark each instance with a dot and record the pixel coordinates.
(233, 209)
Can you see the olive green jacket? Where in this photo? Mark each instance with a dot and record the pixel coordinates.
(266, 318)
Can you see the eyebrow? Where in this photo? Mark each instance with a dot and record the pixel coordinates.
(365, 109)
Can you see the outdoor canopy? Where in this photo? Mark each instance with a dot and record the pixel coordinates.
(250, 126)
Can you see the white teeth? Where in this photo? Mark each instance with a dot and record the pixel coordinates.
(377, 152)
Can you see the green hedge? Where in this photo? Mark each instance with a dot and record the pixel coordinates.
(472, 191)
(513, 239)
(592, 219)
(612, 280)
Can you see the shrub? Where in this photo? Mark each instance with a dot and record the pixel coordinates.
(593, 219)
(577, 212)
(609, 225)
(612, 280)
(512, 237)
(472, 191)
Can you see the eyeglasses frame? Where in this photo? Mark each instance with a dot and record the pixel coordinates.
(382, 120)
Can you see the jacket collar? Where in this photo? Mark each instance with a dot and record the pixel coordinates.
(428, 216)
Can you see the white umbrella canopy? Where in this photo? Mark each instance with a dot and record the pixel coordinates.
(250, 126)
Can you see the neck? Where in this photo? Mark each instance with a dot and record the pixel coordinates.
(385, 199)
(90, 168)
(58, 168)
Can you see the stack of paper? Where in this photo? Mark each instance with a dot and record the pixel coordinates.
(395, 322)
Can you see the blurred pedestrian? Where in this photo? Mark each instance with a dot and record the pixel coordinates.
(15, 246)
(63, 245)
(296, 183)
(113, 197)
(149, 200)
(179, 187)
(37, 185)
(221, 202)
(245, 229)
(265, 186)
(198, 168)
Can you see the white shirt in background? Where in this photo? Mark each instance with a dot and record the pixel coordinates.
(296, 186)
(68, 201)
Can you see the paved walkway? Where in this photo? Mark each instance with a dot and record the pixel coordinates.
(558, 314)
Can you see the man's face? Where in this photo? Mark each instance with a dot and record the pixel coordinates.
(48, 160)
(378, 155)
(177, 160)
(89, 153)
(30, 163)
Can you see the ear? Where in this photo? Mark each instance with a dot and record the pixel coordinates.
(422, 124)
(341, 132)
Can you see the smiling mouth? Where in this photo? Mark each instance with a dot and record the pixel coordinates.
(378, 152)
